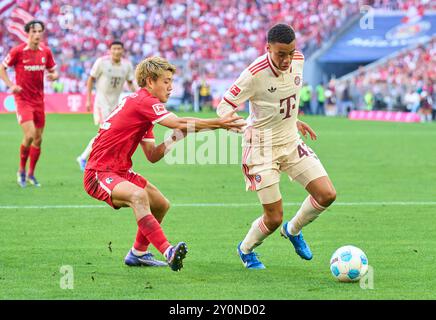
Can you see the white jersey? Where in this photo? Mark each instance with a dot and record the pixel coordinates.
(110, 81)
(274, 99)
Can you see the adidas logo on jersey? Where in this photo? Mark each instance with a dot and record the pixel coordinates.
(272, 89)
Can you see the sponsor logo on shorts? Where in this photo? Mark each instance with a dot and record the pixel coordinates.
(258, 178)
(109, 180)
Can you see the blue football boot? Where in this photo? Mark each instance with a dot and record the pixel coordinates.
(301, 247)
(21, 178)
(250, 260)
(147, 260)
(176, 255)
(32, 180)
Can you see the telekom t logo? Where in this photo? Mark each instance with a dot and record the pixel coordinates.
(74, 102)
(285, 108)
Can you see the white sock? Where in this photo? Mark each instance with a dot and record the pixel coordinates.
(309, 211)
(255, 236)
(88, 149)
(167, 251)
(137, 252)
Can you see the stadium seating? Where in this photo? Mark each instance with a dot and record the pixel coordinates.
(403, 82)
(224, 35)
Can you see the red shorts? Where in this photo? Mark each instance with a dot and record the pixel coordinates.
(30, 112)
(100, 184)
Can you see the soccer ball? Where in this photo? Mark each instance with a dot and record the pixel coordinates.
(348, 264)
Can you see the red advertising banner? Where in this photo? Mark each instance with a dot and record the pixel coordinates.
(54, 103)
(390, 116)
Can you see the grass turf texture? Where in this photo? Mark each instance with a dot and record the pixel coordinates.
(367, 161)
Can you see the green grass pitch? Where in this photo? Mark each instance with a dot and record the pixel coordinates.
(389, 166)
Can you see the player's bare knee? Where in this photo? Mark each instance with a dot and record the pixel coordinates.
(37, 142)
(28, 139)
(166, 205)
(326, 198)
(274, 220)
(138, 198)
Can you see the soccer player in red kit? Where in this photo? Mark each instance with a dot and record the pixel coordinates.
(30, 61)
(109, 176)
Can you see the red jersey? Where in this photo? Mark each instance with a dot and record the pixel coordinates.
(123, 130)
(29, 71)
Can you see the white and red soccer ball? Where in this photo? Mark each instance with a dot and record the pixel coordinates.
(349, 264)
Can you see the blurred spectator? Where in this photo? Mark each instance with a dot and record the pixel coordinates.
(425, 107)
(205, 94)
(187, 98)
(218, 38)
(305, 98)
(320, 95)
(396, 84)
(369, 101)
(412, 101)
(330, 94)
(345, 101)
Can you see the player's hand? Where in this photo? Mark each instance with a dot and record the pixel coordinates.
(52, 76)
(88, 105)
(304, 128)
(230, 121)
(15, 88)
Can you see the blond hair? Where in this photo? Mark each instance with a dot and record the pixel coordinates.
(152, 67)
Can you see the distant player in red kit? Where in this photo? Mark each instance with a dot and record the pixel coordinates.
(109, 176)
(30, 61)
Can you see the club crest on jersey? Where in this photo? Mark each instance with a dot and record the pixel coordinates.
(234, 90)
(109, 180)
(159, 108)
(297, 80)
(258, 178)
(272, 90)
(43, 60)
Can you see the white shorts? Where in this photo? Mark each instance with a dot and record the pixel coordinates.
(262, 166)
(101, 113)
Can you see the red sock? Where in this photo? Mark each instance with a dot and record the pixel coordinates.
(152, 230)
(142, 243)
(24, 154)
(34, 156)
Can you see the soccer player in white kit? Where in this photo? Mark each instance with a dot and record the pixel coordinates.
(110, 73)
(272, 144)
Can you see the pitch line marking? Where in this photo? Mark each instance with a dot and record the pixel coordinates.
(253, 204)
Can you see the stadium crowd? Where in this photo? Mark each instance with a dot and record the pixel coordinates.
(216, 40)
(219, 37)
(405, 82)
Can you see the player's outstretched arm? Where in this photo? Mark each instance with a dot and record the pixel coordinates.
(187, 124)
(155, 153)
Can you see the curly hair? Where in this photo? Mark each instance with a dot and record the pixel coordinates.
(281, 33)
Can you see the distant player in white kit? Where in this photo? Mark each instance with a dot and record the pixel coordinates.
(272, 144)
(110, 73)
